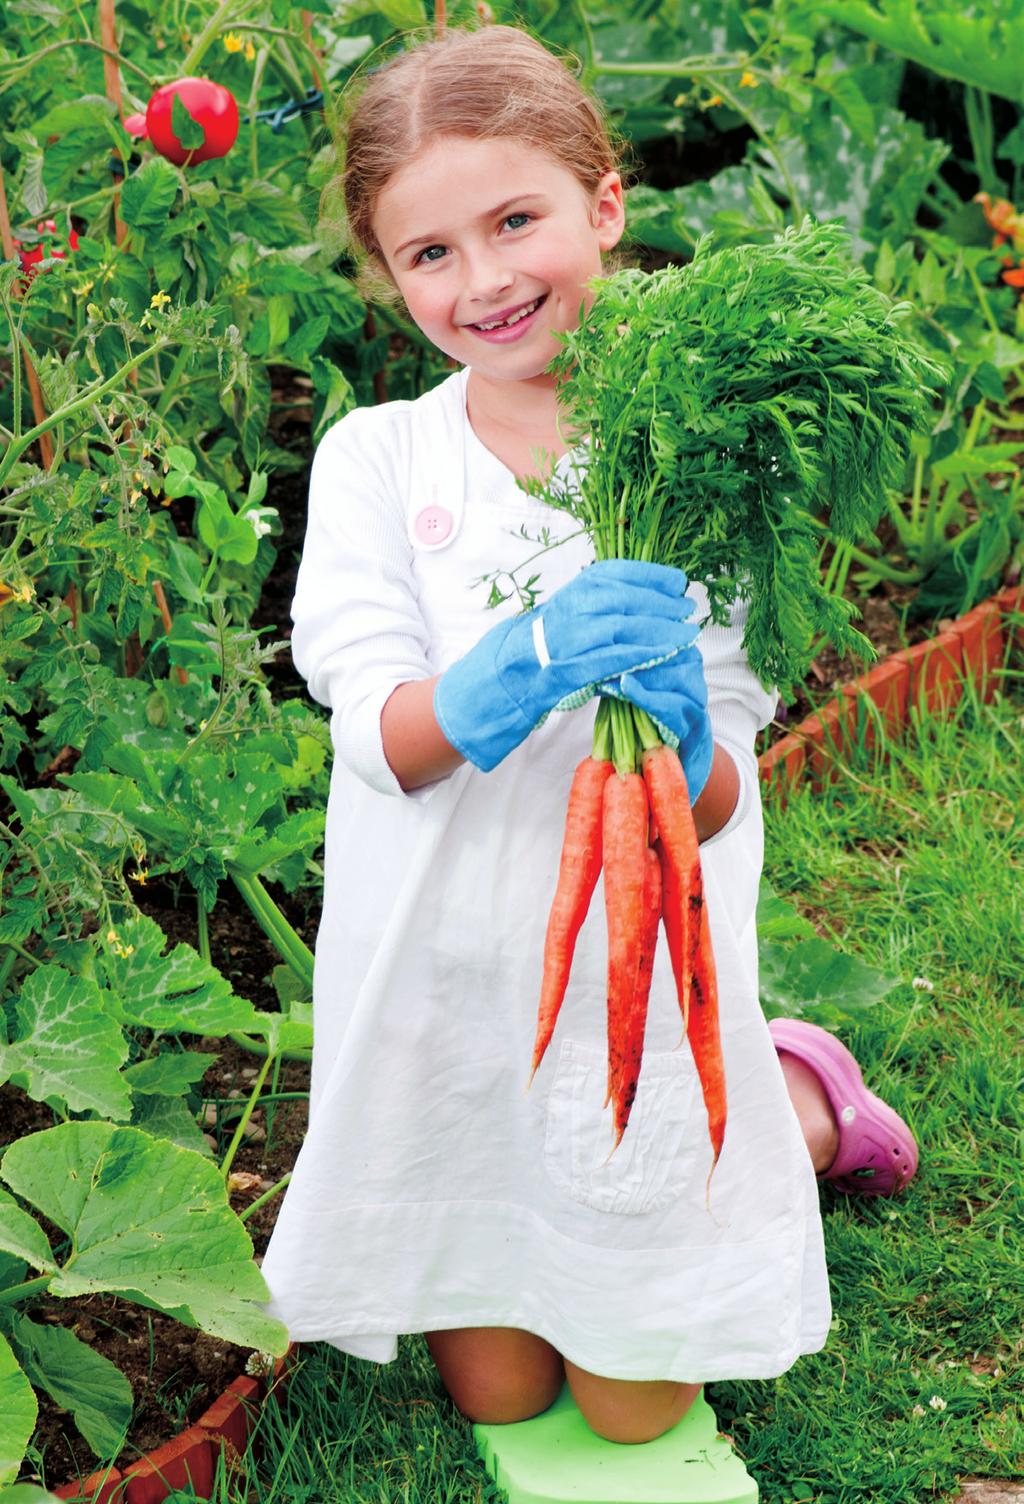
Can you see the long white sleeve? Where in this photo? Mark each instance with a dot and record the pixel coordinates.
(738, 704)
(358, 630)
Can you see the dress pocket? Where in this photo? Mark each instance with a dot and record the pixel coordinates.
(654, 1161)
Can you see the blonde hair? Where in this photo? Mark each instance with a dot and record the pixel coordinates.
(496, 81)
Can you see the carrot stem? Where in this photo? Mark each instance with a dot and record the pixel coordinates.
(647, 732)
(602, 749)
(624, 744)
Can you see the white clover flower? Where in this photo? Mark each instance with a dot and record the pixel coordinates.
(918, 1410)
(923, 984)
(937, 1402)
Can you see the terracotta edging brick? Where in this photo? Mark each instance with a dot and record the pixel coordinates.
(929, 676)
(190, 1458)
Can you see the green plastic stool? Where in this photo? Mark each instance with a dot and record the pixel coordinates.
(556, 1459)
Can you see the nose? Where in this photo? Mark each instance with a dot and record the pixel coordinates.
(487, 276)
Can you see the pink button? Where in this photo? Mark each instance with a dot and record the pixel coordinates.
(433, 524)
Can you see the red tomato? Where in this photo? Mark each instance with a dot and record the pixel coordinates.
(30, 256)
(208, 103)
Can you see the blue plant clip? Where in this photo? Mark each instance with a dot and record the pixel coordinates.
(313, 100)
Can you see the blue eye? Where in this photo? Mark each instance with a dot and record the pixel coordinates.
(425, 254)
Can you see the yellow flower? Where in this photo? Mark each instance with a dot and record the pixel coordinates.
(159, 299)
(134, 496)
(679, 101)
(232, 43)
(140, 875)
(748, 81)
(86, 288)
(118, 946)
(23, 592)
(710, 104)
(250, 51)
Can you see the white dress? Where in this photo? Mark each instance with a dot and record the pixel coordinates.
(432, 1190)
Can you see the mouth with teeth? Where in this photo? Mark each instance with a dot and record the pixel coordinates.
(513, 326)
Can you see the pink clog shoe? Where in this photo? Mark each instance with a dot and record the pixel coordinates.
(877, 1154)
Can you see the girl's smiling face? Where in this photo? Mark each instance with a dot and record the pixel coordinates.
(478, 231)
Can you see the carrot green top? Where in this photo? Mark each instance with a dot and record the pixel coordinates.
(741, 410)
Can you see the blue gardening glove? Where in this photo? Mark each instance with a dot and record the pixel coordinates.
(675, 696)
(615, 616)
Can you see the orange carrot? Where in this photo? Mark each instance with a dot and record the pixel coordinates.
(674, 918)
(624, 1090)
(685, 917)
(578, 872)
(678, 849)
(702, 1028)
(626, 818)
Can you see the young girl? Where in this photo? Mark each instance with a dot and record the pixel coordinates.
(433, 1193)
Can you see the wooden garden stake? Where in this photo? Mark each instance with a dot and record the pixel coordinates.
(440, 16)
(165, 617)
(35, 390)
(112, 80)
(307, 31)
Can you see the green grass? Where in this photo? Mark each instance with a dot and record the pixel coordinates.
(918, 868)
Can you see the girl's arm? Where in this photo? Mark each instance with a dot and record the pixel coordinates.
(418, 753)
(417, 750)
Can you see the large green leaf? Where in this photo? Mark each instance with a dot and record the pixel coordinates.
(874, 187)
(674, 219)
(168, 1117)
(18, 1411)
(169, 1074)
(90, 111)
(147, 195)
(813, 980)
(68, 1047)
(979, 45)
(177, 991)
(148, 1220)
(22, 1237)
(778, 919)
(270, 216)
(78, 1379)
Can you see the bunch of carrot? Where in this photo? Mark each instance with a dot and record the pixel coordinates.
(743, 412)
(638, 827)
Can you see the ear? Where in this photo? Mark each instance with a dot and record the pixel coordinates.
(608, 211)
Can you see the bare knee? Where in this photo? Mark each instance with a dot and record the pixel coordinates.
(497, 1375)
(626, 1410)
